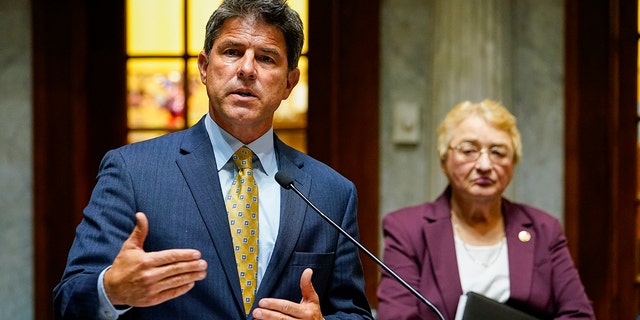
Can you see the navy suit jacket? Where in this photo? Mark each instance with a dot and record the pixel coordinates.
(419, 246)
(174, 181)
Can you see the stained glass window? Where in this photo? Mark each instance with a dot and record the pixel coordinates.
(164, 38)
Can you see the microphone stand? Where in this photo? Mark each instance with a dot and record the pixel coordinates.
(289, 185)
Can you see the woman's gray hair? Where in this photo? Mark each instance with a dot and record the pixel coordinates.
(272, 12)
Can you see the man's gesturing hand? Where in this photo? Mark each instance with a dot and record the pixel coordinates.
(138, 278)
(308, 308)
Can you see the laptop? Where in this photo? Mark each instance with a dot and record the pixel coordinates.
(479, 307)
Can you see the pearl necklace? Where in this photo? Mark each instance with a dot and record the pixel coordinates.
(476, 261)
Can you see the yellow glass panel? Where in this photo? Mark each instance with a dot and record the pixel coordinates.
(197, 100)
(293, 111)
(199, 13)
(155, 94)
(302, 7)
(296, 138)
(155, 27)
(136, 136)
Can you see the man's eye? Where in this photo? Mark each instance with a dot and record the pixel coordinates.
(231, 52)
(266, 59)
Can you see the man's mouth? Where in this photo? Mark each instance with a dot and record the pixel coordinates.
(244, 93)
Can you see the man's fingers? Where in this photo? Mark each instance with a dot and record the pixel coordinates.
(147, 299)
(308, 308)
(180, 280)
(178, 274)
(170, 294)
(149, 278)
(139, 278)
(173, 283)
(139, 233)
(171, 256)
(308, 292)
(159, 258)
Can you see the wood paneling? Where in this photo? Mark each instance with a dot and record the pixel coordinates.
(600, 95)
(343, 106)
(78, 101)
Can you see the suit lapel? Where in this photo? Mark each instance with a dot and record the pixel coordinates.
(292, 215)
(440, 246)
(198, 166)
(521, 251)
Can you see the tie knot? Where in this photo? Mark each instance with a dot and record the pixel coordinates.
(242, 158)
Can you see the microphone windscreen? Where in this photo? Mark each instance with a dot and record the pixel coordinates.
(284, 180)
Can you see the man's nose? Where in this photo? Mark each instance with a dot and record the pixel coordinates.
(247, 66)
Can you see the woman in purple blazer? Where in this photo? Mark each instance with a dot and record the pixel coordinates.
(471, 239)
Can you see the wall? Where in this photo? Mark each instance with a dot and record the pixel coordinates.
(16, 244)
(437, 53)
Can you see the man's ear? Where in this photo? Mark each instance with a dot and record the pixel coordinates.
(203, 62)
(292, 80)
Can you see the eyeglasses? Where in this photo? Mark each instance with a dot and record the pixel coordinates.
(471, 152)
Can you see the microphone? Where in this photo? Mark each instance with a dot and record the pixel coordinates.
(285, 181)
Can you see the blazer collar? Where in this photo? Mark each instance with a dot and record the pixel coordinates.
(293, 211)
(438, 233)
(198, 166)
(521, 242)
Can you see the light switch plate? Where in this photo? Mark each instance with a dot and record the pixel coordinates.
(406, 123)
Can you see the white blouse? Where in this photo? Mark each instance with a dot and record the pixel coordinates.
(483, 269)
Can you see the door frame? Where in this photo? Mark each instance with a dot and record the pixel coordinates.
(600, 150)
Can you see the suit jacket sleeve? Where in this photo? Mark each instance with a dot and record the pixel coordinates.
(406, 253)
(571, 301)
(553, 289)
(108, 221)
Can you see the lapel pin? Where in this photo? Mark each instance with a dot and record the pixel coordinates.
(524, 236)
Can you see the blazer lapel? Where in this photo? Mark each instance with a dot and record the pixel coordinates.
(521, 242)
(292, 214)
(198, 166)
(440, 246)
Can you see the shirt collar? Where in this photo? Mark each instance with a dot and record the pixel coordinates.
(224, 145)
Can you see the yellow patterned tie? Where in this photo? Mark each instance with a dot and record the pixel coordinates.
(242, 209)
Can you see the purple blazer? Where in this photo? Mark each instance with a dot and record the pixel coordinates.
(419, 247)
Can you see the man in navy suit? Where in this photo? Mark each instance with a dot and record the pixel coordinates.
(155, 242)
